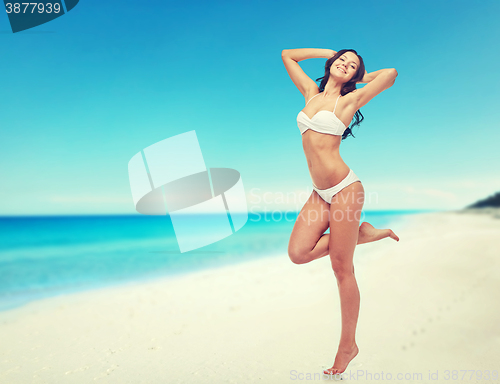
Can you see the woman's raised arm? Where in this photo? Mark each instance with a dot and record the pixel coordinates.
(372, 75)
(291, 57)
(378, 81)
(300, 54)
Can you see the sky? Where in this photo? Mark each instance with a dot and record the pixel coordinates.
(82, 94)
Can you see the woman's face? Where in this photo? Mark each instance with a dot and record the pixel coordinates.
(345, 67)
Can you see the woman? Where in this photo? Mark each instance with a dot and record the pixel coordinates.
(338, 195)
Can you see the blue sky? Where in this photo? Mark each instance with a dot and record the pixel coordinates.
(84, 93)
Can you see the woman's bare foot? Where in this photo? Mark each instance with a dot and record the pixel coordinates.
(342, 360)
(368, 233)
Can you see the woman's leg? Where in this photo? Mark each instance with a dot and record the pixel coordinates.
(309, 241)
(345, 212)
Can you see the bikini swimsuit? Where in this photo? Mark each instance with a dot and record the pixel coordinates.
(326, 122)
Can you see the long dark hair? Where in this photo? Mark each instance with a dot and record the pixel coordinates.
(347, 87)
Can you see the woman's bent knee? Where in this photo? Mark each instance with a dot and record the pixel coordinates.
(296, 256)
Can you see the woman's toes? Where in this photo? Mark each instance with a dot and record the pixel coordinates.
(394, 236)
(331, 371)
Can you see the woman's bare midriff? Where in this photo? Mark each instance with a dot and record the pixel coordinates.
(326, 167)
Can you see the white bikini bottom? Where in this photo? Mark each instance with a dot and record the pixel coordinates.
(327, 194)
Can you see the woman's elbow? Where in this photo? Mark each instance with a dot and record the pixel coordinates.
(390, 77)
(392, 72)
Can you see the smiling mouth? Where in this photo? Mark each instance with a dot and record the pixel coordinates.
(340, 69)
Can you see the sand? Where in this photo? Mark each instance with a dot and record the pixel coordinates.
(429, 306)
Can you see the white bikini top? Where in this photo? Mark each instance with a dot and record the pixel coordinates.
(323, 121)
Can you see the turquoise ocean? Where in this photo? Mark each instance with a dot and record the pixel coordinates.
(44, 256)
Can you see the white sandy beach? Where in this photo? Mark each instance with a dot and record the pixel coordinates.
(428, 304)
